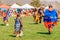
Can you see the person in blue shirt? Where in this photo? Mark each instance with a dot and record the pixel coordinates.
(9, 14)
(50, 18)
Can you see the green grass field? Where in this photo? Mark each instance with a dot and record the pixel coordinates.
(31, 31)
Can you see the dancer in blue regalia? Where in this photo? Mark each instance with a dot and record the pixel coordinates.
(50, 18)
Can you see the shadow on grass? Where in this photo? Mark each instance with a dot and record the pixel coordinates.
(2, 24)
(12, 35)
(43, 33)
(33, 23)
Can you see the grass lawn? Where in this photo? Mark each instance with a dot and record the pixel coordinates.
(31, 31)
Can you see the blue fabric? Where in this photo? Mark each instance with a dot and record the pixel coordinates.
(18, 21)
(17, 25)
(17, 28)
(9, 14)
(50, 16)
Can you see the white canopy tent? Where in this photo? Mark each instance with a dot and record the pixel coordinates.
(46, 7)
(15, 6)
(27, 6)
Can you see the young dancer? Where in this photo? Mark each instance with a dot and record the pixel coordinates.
(50, 18)
(18, 26)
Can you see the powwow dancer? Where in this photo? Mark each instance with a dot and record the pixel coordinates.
(50, 18)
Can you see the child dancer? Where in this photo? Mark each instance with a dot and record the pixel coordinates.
(5, 17)
(18, 26)
(50, 18)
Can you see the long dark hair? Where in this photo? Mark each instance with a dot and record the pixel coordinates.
(17, 16)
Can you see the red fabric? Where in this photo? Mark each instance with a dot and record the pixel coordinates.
(4, 14)
(49, 24)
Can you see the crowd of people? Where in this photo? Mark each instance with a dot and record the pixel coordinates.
(50, 18)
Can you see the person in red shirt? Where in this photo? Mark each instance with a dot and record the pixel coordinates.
(5, 17)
